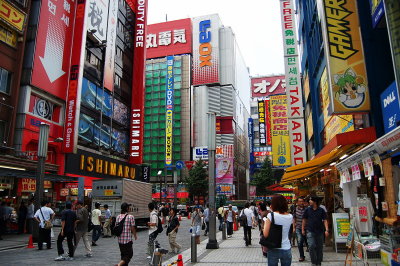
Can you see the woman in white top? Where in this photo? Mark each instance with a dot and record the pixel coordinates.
(281, 217)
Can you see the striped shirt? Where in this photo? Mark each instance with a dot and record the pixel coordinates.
(298, 215)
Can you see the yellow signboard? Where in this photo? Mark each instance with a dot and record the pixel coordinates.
(324, 87)
(338, 124)
(8, 36)
(12, 15)
(346, 67)
(280, 131)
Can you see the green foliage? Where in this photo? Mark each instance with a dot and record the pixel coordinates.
(197, 181)
(264, 178)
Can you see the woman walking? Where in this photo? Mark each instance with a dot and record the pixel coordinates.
(196, 223)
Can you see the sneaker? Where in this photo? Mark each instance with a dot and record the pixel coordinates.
(178, 251)
(88, 255)
(148, 257)
(69, 258)
(59, 258)
(94, 244)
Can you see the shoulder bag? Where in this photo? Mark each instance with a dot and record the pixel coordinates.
(274, 239)
(47, 223)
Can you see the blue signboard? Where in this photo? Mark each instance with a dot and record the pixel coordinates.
(377, 11)
(180, 165)
(390, 107)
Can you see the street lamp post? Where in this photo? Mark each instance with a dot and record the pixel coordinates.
(159, 177)
(175, 187)
(212, 238)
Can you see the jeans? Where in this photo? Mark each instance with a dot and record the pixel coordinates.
(274, 255)
(60, 239)
(229, 228)
(300, 241)
(150, 244)
(221, 221)
(96, 233)
(315, 245)
(44, 236)
(247, 234)
(207, 228)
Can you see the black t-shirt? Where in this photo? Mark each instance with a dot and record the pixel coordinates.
(315, 219)
(173, 223)
(69, 217)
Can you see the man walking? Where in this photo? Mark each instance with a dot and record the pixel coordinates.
(248, 222)
(82, 228)
(125, 240)
(297, 226)
(314, 221)
(153, 225)
(206, 215)
(107, 222)
(230, 218)
(220, 216)
(96, 213)
(44, 214)
(29, 216)
(68, 223)
(172, 230)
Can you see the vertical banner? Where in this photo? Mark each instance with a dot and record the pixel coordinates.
(348, 85)
(268, 122)
(109, 63)
(138, 86)
(261, 123)
(224, 171)
(294, 90)
(280, 131)
(73, 103)
(169, 108)
(97, 19)
(377, 11)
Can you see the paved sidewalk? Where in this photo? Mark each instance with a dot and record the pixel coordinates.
(11, 241)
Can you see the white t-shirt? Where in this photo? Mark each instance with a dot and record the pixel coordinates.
(96, 213)
(249, 214)
(286, 221)
(153, 220)
(229, 216)
(47, 212)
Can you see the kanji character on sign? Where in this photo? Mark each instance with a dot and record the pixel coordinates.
(96, 17)
(280, 121)
(65, 19)
(52, 7)
(164, 38)
(179, 36)
(151, 41)
(291, 61)
(290, 42)
(293, 81)
(273, 88)
(261, 87)
(67, 6)
(291, 50)
(293, 70)
(289, 33)
(279, 108)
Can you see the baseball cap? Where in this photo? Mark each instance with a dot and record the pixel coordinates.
(125, 206)
(79, 202)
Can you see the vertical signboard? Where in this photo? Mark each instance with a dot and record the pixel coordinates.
(206, 49)
(109, 63)
(169, 108)
(280, 131)
(138, 87)
(251, 138)
(268, 122)
(261, 123)
(377, 11)
(348, 85)
(97, 18)
(51, 62)
(390, 107)
(224, 171)
(294, 90)
(73, 102)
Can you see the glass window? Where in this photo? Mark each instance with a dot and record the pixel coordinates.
(147, 104)
(177, 78)
(177, 93)
(156, 88)
(149, 67)
(156, 73)
(163, 73)
(161, 158)
(177, 140)
(178, 85)
(156, 80)
(154, 103)
(147, 142)
(162, 125)
(163, 80)
(163, 65)
(156, 66)
(147, 111)
(177, 71)
(162, 118)
(5, 80)
(149, 81)
(147, 118)
(177, 123)
(177, 148)
(154, 118)
(177, 63)
(177, 108)
(149, 74)
(161, 148)
(177, 101)
(162, 87)
(148, 89)
(147, 126)
(177, 115)
(146, 157)
(147, 134)
(177, 132)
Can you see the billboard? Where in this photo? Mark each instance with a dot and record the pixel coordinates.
(390, 107)
(12, 16)
(111, 44)
(267, 86)
(377, 11)
(138, 87)
(206, 49)
(224, 171)
(73, 102)
(51, 62)
(224, 151)
(169, 38)
(169, 109)
(200, 153)
(338, 124)
(268, 122)
(97, 18)
(348, 85)
(261, 123)
(280, 131)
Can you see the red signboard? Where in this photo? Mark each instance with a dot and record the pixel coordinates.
(267, 86)
(75, 80)
(169, 38)
(138, 87)
(53, 47)
(224, 125)
(189, 164)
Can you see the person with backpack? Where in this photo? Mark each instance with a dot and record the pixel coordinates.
(154, 229)
(247, 220)
(81, 230)
(124, 229)
(172, 230)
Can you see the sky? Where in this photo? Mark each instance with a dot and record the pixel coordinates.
(256, 24)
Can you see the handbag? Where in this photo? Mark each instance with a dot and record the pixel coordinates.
(47, 223)
(274, 239)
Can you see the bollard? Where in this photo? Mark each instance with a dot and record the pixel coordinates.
(223, 231)
(193, 249)
(180, 260)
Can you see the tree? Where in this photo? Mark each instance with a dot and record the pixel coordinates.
(197, 181)
(264, 178)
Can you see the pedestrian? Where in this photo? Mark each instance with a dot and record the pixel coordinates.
(107, 222)
(230, 218)
(2, 219)
(196, 223)
(96, 233)
(82, 222)
(45, 213)
(313, 225)
(263, 214)
(254, 209)
(206, 215)
(247, 215)
(279, 216)
(22, 213)
(68, 223)
(165, 213)
(297, 224)
(153, 225)
(221, 216)
(172, 230)
(29, 216)
(125, 240)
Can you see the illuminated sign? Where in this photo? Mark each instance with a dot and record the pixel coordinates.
(12, 15)
(261, 122)
(169, 107)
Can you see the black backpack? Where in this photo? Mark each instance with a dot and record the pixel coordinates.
(119, 227)
(159, 225)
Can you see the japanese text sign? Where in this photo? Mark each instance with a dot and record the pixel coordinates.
(266, 86)
(355, 172)
(12, 15)
(261, 123)
(390, 107)
(268, 122)
(169, 108)
(97, 18)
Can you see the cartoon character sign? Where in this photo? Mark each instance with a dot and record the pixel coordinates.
(350, 89)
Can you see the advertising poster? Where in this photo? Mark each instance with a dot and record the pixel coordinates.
(261, 123)
(268, 122)
(341, 225)
(169, 108)
(267, 86)
(390, 107)
(252, 191)
(338, 124)
(111, 44)
(225, 189)
(224, 169)
(348, 84)
(280, 131)
(97, 18)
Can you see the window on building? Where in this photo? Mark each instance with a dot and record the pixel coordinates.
(5, 80)
(2, 132)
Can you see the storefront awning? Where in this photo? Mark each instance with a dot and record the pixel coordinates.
(30, 174)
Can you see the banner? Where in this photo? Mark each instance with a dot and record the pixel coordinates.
(138, 86)
(109, 63)
(267, 86)
(390, 107)
(261, 123)
(224, 171)
(12, 16)
(268, 122)
(169, 108)
(348, 84)
(280, 131)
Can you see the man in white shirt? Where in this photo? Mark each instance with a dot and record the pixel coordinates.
(206, 216)
(248, 224)
(45, 213)
(153, 224)
(96, 213)
(107, 222)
